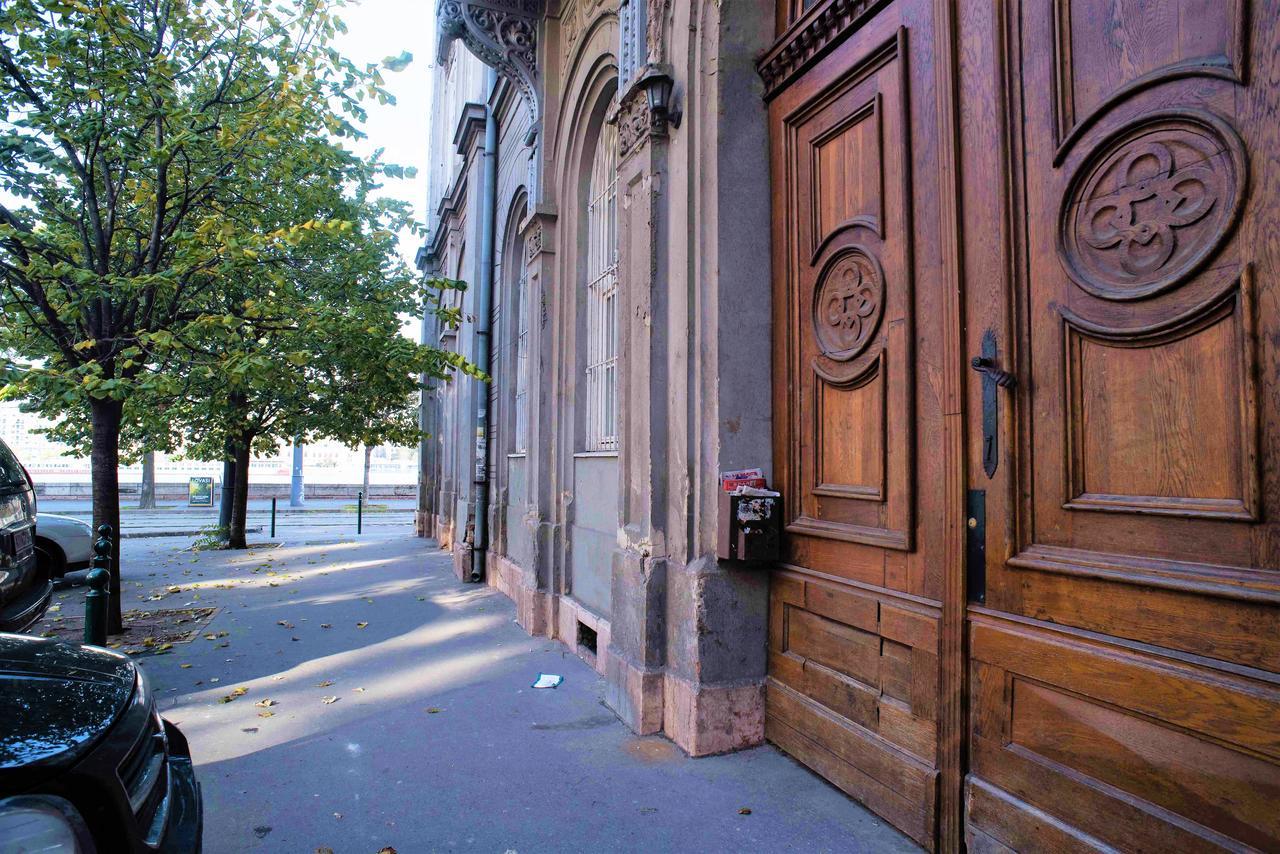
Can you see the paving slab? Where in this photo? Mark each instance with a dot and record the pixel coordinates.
(384, 703)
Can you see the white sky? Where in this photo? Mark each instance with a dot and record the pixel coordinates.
(378, 29)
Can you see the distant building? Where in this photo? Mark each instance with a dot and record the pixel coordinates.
(325, 464)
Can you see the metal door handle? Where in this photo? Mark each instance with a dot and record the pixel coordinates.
(992, 377)
(987, 368)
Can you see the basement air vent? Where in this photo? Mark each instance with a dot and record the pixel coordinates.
(586, 638)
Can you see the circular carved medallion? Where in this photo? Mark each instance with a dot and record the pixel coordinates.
(1151, 204)
(847, 304)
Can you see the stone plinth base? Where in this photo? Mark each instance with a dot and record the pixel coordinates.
(636, 695)
(533, 607)
(701, 719)
(708, 719)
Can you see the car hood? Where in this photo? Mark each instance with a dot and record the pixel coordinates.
(58, 517)
(56, 699)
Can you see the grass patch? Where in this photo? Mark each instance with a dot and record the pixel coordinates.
(368, 508)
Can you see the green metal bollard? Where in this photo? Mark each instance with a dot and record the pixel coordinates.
(359, 512)
(99, 578)
(273, 518)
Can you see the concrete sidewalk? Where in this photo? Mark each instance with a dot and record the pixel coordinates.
(435, 741)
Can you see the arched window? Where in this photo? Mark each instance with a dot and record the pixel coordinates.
(522, 352)
(602, 295)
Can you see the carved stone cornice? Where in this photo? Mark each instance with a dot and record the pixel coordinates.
(810, 37)
(503, 34)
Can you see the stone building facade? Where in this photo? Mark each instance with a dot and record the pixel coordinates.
(618, 394)
(990, 291)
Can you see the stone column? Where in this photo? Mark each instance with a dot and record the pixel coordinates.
(717, 611)
(535, 598)
(637, 649)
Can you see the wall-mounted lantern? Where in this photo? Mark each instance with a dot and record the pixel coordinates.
(658, 90)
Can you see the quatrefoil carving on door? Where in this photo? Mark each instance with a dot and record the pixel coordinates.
(1151, 204)
(848, 303)
(1154, 199)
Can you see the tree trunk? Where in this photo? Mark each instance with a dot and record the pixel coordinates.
(367, 452)
(147, 495)
(240, 498)
(228, 490)
(104, 462)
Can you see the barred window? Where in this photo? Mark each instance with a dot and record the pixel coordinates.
(602, 295)
(522, 362)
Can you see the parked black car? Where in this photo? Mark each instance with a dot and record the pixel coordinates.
(86, 762)
(25, 590)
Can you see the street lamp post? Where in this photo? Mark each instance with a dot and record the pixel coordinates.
(296, 497)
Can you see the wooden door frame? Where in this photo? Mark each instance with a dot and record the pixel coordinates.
(952, 654)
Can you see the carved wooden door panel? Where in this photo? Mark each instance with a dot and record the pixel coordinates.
(1123, 678)
(853, 685)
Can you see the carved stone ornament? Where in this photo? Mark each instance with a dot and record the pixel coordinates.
(503, 34)
(1151, 204)
(848, 303)
(656, 21)
(636, 122)
(533, 242)
(574, 19)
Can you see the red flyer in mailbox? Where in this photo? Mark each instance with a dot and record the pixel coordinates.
(730, 481)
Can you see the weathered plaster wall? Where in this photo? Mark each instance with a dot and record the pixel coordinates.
(519, 531)
(594, 533)
(626, 544)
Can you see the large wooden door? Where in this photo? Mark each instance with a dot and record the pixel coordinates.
(855, 616)
(1122, 219)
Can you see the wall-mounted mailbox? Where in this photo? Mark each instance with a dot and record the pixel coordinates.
(750, 527)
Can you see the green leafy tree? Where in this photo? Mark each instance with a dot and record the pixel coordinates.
(306, 343)
(323, 359)
(134, 139)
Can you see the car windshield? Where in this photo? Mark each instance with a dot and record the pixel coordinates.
(11, 474)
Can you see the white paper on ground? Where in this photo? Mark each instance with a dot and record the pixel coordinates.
(547, 680)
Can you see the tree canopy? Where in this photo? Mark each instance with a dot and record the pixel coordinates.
(188, 248)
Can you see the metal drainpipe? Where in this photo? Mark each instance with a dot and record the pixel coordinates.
(483, 350)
